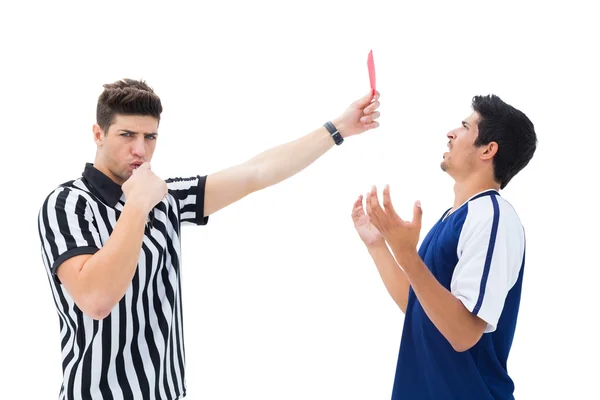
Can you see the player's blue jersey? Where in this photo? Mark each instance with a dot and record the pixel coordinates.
(476, 252)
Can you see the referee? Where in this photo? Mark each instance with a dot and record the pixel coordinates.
(110, 242)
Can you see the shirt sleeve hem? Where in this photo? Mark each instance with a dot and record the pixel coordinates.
(77, 251)
(200, 219)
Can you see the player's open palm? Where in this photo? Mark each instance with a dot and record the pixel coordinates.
(366, 230)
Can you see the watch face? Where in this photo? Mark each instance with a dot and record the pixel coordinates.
(335, 134)
(338, 138)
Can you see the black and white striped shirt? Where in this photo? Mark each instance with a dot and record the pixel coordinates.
(137, 351)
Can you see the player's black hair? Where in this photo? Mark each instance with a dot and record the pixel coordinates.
(511, 129)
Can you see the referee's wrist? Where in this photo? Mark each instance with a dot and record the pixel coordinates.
(137, 206)
(340, 125)
(334, 131)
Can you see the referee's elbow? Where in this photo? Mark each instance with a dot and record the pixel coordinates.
(98, 314)
(96, 310)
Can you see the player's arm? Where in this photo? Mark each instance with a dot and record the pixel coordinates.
(490, 254)
(491, 249)
(393, 277)
(279, 163)
(459, 326)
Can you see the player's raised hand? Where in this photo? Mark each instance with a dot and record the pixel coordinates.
(400, 234)
(366, 230)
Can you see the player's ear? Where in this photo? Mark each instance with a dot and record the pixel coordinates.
(489, 151)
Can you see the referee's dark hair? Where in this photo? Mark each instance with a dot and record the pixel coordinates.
(126, 97)
(511, 129)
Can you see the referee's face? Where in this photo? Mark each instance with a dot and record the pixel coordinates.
(129, 142)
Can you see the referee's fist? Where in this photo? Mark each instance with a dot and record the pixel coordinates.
(144, 188)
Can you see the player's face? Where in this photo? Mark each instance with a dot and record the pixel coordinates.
(461, 157)
(129, 142)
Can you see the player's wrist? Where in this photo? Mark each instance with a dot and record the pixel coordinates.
(376, 245)
(407, 258)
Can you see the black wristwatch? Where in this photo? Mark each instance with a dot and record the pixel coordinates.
(335, 134)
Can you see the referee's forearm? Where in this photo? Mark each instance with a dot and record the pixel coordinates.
(280, 163)
(107, 275)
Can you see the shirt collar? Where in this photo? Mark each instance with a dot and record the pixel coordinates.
(102, 185)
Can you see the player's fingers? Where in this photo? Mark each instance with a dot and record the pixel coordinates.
(369, 204)
(373, 209)
(358, 203)
(417, 214)
(387, 201)
(375, 200)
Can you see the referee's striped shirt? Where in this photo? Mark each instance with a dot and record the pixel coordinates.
(137, 351)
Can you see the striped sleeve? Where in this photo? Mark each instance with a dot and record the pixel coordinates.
(189, 194)
(66, 227)
(490, 251)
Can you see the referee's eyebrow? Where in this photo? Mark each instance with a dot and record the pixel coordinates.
(135, 133)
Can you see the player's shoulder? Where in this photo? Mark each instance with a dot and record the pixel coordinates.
(491, 205)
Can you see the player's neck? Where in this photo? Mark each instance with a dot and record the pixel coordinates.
(464, 190)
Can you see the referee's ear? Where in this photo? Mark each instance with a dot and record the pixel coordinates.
(98, 135)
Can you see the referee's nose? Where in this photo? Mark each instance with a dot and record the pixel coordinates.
(139, 147)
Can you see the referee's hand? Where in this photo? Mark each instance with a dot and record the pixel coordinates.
(145, 188)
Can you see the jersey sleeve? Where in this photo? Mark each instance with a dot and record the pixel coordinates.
(189, 194)
(66, 228)
(491, 249)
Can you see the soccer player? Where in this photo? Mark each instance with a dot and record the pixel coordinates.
(460, 291)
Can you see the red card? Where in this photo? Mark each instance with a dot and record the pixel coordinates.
(371, 66)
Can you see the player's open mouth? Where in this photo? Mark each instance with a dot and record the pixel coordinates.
(136, 165)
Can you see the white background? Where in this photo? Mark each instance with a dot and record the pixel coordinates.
(281, 299)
